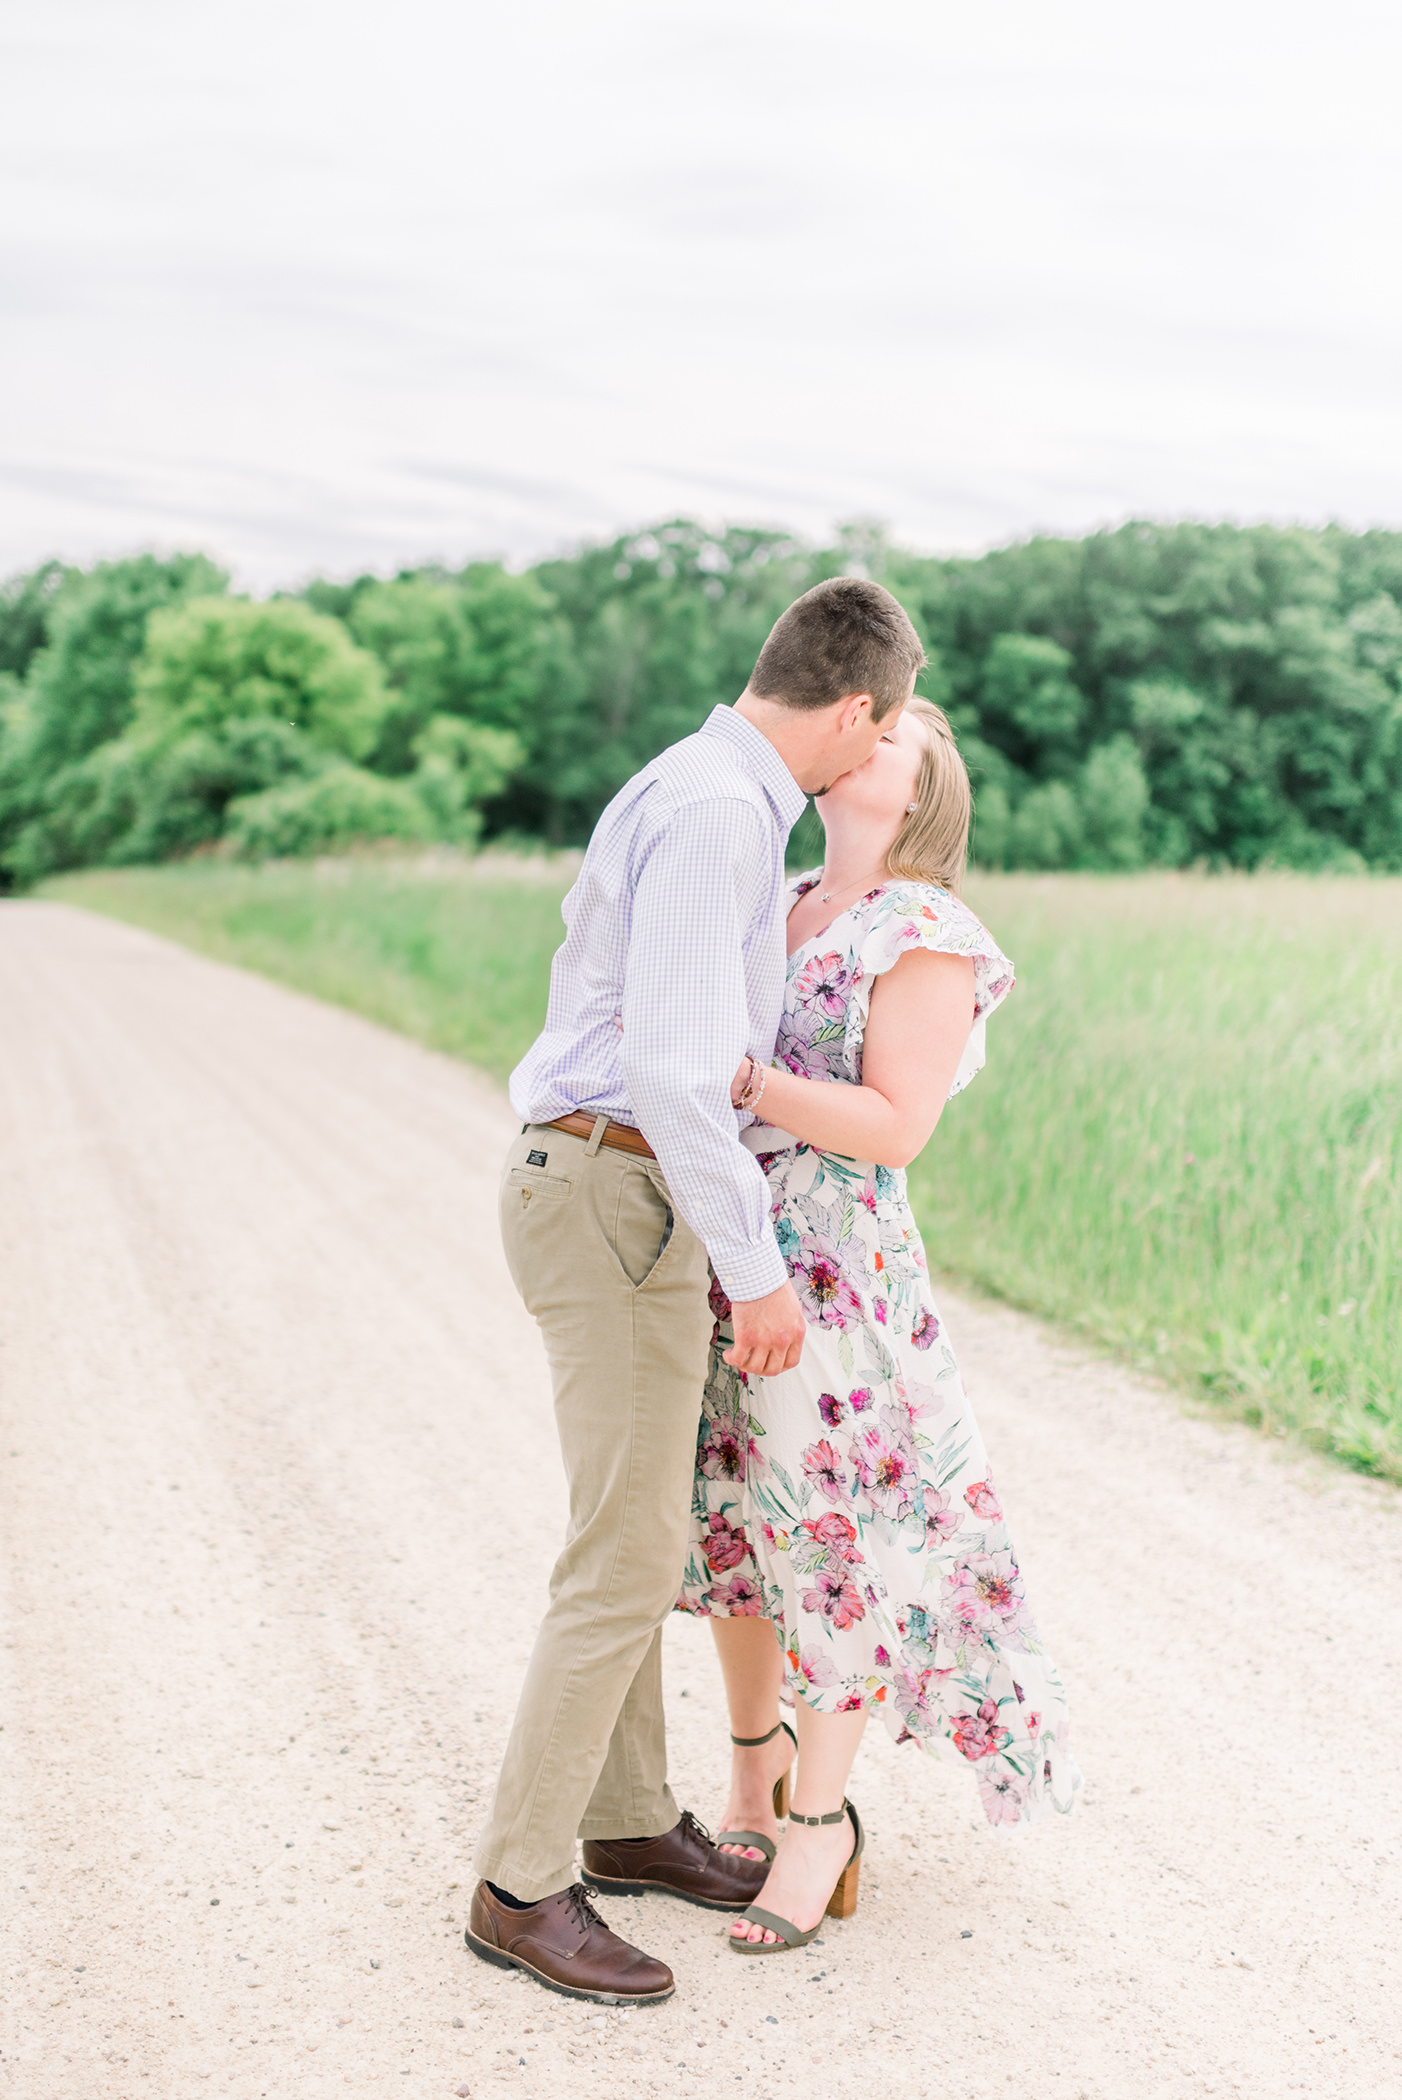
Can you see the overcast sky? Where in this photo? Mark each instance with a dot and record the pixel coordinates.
(326, 286)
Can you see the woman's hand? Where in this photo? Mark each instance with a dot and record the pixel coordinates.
(741, 1080)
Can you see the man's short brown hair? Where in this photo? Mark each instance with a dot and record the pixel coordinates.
(844, 636)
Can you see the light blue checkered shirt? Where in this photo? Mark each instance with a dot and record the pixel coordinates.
(677, 924)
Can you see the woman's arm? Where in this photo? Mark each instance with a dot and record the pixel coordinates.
(922, 1009)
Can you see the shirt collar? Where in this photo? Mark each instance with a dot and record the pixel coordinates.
(761, 761)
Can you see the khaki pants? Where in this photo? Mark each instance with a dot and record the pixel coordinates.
(627, 1327)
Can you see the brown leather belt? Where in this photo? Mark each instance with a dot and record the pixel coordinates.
(621, 1136)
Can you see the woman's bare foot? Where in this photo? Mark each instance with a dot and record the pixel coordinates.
(802, 1878)
(753, 1775)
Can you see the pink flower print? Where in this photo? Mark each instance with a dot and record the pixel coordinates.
(978, 1735)
(719, 1303)
(740, 1599)
(883, 1660)
(825, 1469)
(983, 1501)
(879, 1308)
(798, 1052)
(726, 1546)
(838, 1534)
(816, 1668)
(1034, 1722)
(834, 1595)
(913, 1693)
(824, 982)
(831, 1409)
(852, 1704)
(919, 1400)
(727, 1447)
(987, 1587)
(940, 1519)
(1003, 1796)
(868, 1196)
(823, 1290)
(925, 1330)
(885, 1466)
(860, 1400)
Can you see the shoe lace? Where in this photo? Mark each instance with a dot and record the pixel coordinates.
(694, 1827)
(579, 1898)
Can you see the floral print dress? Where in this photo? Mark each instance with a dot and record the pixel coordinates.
(849, 1500)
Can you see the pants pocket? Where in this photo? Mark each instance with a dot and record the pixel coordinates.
(529, 1204)
(643, 1226)
(528, 1183)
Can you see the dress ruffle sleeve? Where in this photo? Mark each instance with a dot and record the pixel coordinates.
(920, 915)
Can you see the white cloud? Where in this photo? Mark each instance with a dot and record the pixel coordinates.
(332, 286)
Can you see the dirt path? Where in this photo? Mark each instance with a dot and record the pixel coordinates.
(279, 1495)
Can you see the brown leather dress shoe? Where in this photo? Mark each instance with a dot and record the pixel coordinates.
(564, 1943)
(682, 1862)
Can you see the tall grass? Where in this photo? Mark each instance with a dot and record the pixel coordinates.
(452, 951)
(1187, 1142)
(1189, 1135)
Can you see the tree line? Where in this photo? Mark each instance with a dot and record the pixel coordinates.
(1153, 695)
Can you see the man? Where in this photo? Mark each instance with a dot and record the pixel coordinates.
(628, 1176)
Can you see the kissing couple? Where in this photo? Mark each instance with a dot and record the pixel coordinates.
(761, 1418)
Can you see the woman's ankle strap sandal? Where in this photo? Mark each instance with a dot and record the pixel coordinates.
(783, 1786)
(841, 1903)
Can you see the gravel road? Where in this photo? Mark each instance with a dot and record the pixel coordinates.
(279, 1496)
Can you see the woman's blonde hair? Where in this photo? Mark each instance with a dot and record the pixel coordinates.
(932, 844)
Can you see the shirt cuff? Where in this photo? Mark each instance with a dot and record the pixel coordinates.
(749, 1272)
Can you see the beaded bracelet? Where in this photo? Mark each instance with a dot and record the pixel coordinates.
(750, 1094)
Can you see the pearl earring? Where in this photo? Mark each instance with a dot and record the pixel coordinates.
(911, 808)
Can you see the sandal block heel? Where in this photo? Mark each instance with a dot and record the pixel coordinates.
(843, 1900)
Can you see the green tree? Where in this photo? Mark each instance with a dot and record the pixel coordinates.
(78, 693)
(340, 806)
(81, 685)
(1027, 692)
(25, 605)
(663, 626)
(481, 644)
(230, 698)
(462, 765)
(1113, 796)
(1166, 693)
(217, 661)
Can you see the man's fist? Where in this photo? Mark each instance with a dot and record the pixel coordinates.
(768, 1334)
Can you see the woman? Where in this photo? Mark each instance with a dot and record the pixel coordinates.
(846, 1506)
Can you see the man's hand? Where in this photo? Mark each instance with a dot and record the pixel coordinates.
(768, 1334)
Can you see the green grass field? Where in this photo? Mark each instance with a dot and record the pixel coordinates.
(1187, 1143)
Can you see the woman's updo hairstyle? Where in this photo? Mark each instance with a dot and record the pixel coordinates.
(933, 843)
